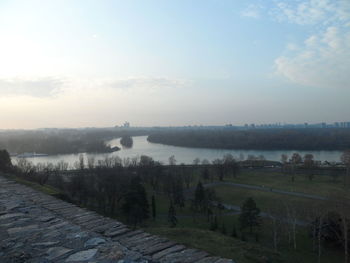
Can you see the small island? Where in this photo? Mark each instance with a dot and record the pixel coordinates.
(126, 141)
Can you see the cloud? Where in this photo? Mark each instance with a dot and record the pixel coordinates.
(39, 87)
(147, 83)
(252, 11)
(323, 59)
(312, 11)
(49, 86)
(89, 102)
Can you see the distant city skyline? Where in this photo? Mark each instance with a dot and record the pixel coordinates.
(173, 63)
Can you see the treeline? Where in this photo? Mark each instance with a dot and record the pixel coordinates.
(116, 187)
(271, 139)
(62, 141)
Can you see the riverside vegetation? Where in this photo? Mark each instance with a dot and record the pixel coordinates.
(257, 139)
(196, 204)
(63, 141)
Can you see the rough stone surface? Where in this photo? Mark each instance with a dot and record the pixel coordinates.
(93, 242)
(56, 252)
(35, 227)
(82, 255)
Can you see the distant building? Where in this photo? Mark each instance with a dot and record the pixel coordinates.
(126, 124)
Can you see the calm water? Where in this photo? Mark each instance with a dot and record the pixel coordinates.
(185, 155)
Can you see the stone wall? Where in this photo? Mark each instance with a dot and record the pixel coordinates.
(35, 227)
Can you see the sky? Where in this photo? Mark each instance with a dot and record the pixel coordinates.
(98, 63)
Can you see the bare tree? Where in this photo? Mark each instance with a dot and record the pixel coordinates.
(284, 158)
(292, 222)
(220, 168)
(309, 165)
(241, 157)
(276, 215)
(340, 202)
(91, 162)
(345, 158)
(295, 160)
(284, 161)
(172, 160)
(205, 162)
(61, 166)
(25, 166)
(230, 164)
(196, 161)
(81, 162)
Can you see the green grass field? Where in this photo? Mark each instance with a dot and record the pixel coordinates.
(264, 200)
(321, 185)
(194, 232)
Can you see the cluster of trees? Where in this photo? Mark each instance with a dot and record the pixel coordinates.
(115, 187)
(270, 139)
(111, 186)
(307, 165)
(5, 161)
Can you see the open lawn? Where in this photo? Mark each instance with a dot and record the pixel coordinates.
(264, 200)
(320, 185)
(193, 231)
(218, 244)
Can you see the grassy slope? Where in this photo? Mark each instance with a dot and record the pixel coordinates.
(225, 246)
(42, 188)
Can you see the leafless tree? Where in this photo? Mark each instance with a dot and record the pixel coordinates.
(345, 158)
(309, 164)
(24, 165)
(61, 166)
(340, 203)
(81, 162)
(172, 160)
(276, 215)
(284, 158)
(292, 215)
(295, 160)
(196, 161)
(205, 162)
(91, 162)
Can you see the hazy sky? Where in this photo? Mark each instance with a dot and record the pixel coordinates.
(181, 62)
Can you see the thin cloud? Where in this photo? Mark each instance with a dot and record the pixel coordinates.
(323, 59)
(312, 12)
(40, 87)
(252, 11)
(147, 83)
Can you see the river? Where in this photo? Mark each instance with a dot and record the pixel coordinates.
(160, 152)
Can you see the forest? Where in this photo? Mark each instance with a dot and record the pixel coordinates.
(257, 139)
(62, 141)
